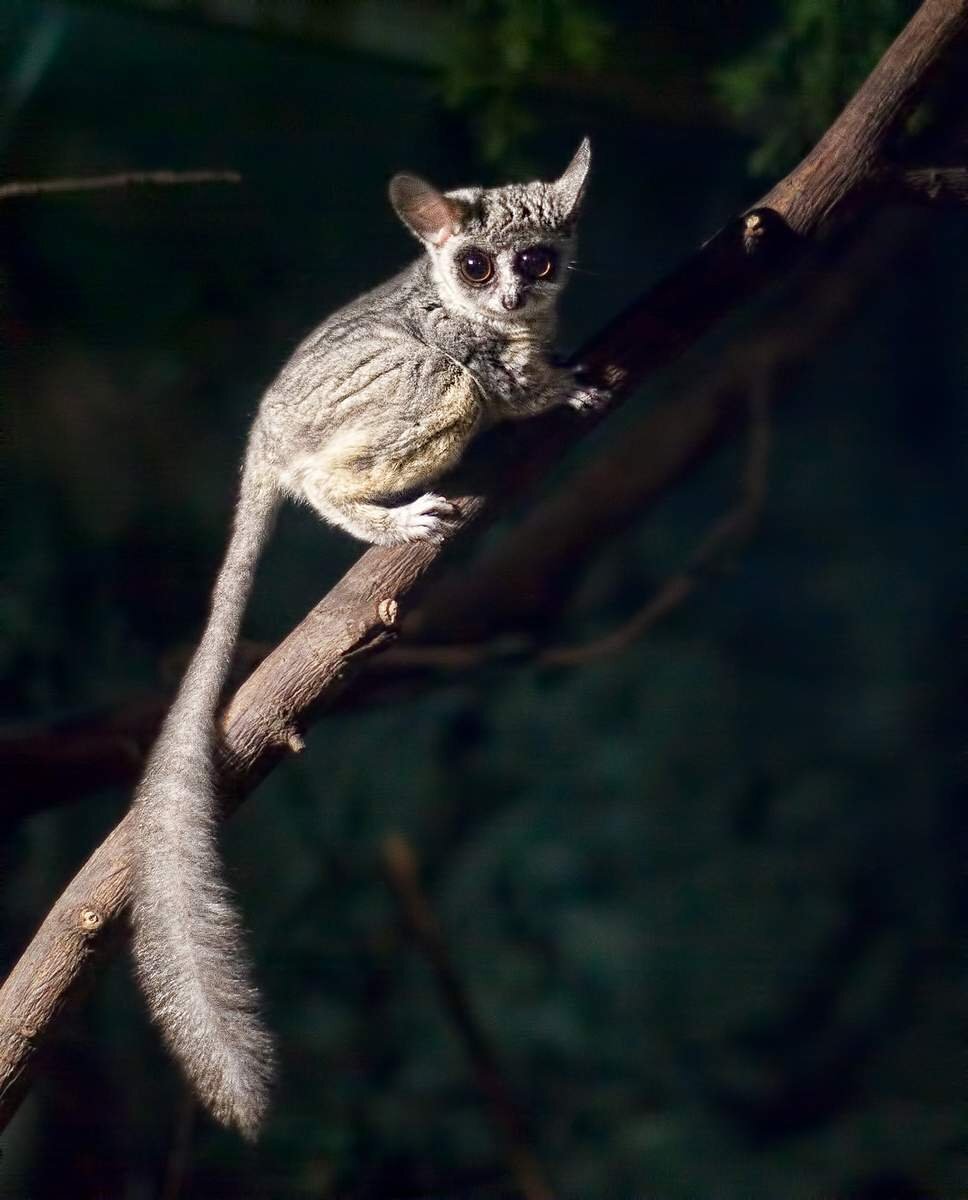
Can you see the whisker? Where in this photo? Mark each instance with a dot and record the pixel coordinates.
(577, 270)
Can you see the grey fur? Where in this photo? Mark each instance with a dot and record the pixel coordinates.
(376, 403)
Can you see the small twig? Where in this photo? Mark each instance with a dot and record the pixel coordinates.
(730, 531)
(123, 179)
(928, 185)
(457, 656)
(403, 876)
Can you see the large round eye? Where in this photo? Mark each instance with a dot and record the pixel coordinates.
(537, 262)
(475, 265)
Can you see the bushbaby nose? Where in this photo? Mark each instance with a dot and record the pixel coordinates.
(512, 302)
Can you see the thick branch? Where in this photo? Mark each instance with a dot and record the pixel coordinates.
(360, 613)
(848, 157)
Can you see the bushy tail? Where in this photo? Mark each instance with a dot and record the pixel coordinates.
(187, 940)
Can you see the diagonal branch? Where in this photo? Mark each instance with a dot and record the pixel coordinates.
(361, 613)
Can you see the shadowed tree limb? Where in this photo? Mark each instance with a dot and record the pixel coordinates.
(929, 185)
(360, 615)
(60, 760)
(420, 921)
(726, 535)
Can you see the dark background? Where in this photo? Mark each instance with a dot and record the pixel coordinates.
(708, 894)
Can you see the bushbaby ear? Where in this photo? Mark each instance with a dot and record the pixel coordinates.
(571, 185)
(429, 214)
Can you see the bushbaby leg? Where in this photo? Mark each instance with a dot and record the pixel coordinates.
(429, 517)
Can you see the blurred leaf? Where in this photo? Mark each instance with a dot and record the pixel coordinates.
(502, 46)
(788, 89)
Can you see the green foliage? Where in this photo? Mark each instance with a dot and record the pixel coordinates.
(502, 46)
(789, 88)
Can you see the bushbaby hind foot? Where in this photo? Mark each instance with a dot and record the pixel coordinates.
(428, 518)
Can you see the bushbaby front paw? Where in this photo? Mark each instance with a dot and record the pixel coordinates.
(428, 518)
(584, 395)
(586, 398)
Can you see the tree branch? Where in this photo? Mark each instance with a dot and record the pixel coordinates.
(726, 535)
(403, 876)
(123, 179)
(62, 759)
(928, 185)
(360, 614)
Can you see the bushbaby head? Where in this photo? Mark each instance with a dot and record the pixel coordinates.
(499, 254)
